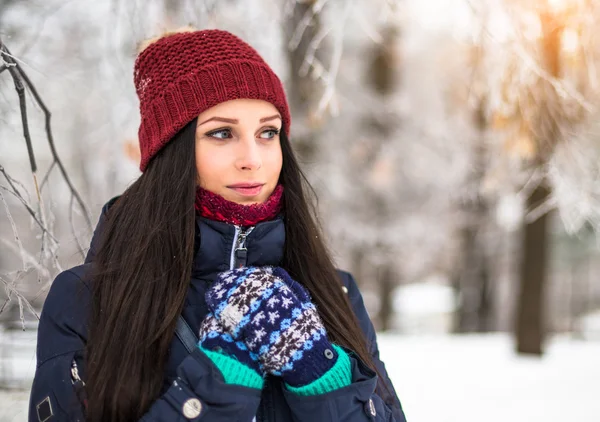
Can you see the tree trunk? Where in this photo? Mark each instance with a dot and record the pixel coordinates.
(357, 266)
(463, 283)
(473, 285)
(485, 313)
(383, 77)
(529, 326)
(386, 286)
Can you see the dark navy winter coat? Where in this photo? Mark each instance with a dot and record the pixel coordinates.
(62, 336)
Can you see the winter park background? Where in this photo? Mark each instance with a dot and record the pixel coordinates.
(454, 146)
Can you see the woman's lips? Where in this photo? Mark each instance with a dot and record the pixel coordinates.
(247, 189)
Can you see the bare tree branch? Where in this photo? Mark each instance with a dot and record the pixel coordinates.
(31, 212)
(22, 301)
(305, 22)
(79, 245)
(22, 103)
(542, 209)
(30, 259)
(47, 176)
(331, 76)
(49, 243)
(18, 74)
(14, 229)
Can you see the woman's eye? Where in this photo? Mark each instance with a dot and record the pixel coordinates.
(220, 134)
(269, 133)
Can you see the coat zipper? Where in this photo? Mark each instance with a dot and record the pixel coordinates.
(239, 253)
(239, 258)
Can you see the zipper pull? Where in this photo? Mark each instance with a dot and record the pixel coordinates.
(241, 257)
(75, 373)
(239, 252)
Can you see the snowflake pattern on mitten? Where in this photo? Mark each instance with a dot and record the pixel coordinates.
(214, 338)
(276, 319)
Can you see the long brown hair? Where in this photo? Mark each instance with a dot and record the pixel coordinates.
(142, 271)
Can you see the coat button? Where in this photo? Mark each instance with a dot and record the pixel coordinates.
(192, 408)
(329, 354)
(371, 408)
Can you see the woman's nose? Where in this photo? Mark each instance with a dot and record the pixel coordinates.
(248, 154)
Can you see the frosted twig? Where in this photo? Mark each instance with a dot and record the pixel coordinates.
(19, 87)
(43, 289)
(13, 184)
(305, 22)
(30, 211)
(309, 57)
(47, 176)
(561, 89)
(8, 294)
(331, 76)
(11, 289)
(79, 245)
(13, 59)
(14, 229)
(53, 247)
(545, 207)
(532, 183)
(19, 76)
(30, 259)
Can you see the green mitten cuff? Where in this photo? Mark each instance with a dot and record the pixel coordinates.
(234, 371)
(340, 375)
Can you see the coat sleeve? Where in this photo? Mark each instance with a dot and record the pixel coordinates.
(198, 392)
(363, 400)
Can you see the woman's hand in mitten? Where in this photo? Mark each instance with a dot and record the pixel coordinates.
(237, 364)
(274, 316)
(213, 338)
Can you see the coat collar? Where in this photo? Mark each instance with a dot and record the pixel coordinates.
(214, 244)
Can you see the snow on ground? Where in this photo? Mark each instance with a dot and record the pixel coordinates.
(13, 405)
(479, 378)
(461, 379)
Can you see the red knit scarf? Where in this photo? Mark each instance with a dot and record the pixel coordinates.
(215, 207)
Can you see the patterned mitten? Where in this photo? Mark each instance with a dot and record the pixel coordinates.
(237, 364)
(274, 316)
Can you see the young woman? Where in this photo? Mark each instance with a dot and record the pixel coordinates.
(208, 293)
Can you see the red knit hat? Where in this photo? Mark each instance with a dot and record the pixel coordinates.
(183, 74)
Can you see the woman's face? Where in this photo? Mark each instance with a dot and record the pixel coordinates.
(238, 153)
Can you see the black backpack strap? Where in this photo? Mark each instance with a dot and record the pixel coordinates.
(186, 335)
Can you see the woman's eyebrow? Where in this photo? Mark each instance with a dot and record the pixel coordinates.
(236, 121)
(266, 119)
(221, 119)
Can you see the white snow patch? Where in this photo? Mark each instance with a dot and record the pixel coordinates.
(479, 378)
(589, 326)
